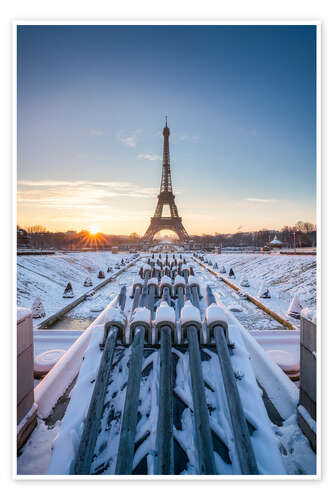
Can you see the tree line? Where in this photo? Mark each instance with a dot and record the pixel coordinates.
(302, 234)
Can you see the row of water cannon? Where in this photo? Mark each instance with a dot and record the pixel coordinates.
(174, 303)
(166, 271)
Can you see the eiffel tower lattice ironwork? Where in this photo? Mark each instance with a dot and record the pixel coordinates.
(166, 197)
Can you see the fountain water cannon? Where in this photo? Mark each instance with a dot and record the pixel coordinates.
(137, 282)
(194, 284)
(215, 316)
(165, 282)
(146, 271)
(141, 318)
(179, 282)
(153, 282)
(185, 271)
(157, 272)
(167, 271)
(165, 317)
(190, 317)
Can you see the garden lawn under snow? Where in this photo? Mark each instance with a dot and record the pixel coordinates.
(285, 275)
(47, 275)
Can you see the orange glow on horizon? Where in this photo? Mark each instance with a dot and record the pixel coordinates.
(94, 229)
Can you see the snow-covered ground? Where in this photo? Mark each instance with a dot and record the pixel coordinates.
(47, 275)
(285, 276)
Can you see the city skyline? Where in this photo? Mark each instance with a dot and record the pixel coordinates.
(241, 110)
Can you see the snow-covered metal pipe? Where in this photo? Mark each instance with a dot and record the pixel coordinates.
(179, 282)
(203, 435)
(165, 316)
(189, 316)
(165, 448)
(194, 283)
(165, 282)
(137, 295)
(167, 271)
(141, 317)
(129, 419)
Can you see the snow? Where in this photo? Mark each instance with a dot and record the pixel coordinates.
(141, 315)
(37, 308)
(67, 441)
(297, 454)
(46, 360)
(87, 281)
(179, 280)
(263, 292)
(189, 314)
(22, 313)
(64, 371)
(287, 361)
(138, 281)
(245, 282)
(165, 314)
(281, 391)
(97, 303)
(44, 340)
(114, 315)
(166, 281)
(249, 361)
(35, 455)
(215, 314)
(307, 417)
(309, 314)
(235, 308)
(47, 275)
(285, 275)
(295, 305)
(153, 281)
(193, 280)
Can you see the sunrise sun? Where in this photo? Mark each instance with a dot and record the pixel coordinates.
(94, 229)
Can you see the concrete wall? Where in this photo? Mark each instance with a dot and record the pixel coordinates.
(308, 379)
(25, 375)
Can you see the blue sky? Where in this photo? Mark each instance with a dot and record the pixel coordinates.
(241, 109)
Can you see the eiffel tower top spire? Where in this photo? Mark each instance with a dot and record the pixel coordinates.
(166, 185)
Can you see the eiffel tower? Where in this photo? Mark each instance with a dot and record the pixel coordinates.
(166, 197)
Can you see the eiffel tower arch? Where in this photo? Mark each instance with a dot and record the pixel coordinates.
(166, 197)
